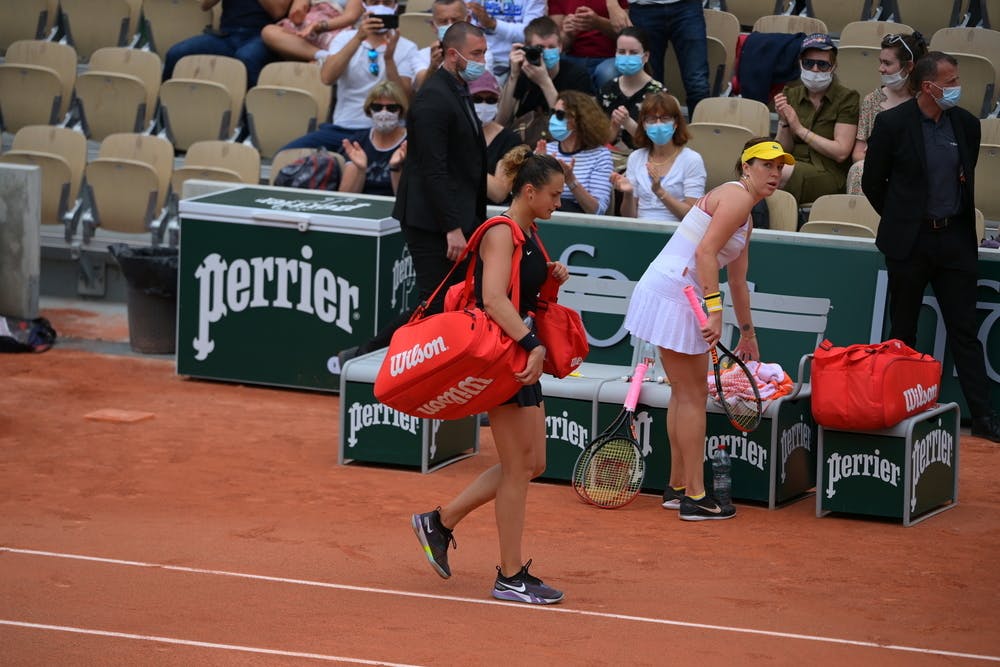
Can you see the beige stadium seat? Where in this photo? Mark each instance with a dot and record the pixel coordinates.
(782, 211)
(128, 183)
(979, 79)
(720, 146)
(748, 11)
(36, 83)
(61, 154)
(987, 178)
(417, 28)
(991, 130)
(789, 23)
(980, 226)
(413, 6)
(92, 24)
(171, 21)
(276, 115)
(751, 114)
(929, 16)
(978, 41)
(857, 68)
(838, 13)
(26, 19)
(837, 229)
(725, 27)
(717, 60)
(871, 33)
(204, 99)
(991, 13)
(845, 208)
(118, 92)
(219, 161)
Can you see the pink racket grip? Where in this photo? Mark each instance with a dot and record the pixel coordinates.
(632, 397)
(695, 302)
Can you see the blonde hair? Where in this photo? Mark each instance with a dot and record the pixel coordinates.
(389, 89)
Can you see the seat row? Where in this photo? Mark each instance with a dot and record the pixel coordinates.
(121, 92)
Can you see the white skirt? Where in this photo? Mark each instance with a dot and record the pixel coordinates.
(659, 312)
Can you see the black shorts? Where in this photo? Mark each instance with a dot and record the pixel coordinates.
(528, 396)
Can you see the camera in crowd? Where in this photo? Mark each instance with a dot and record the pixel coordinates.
(533, 54)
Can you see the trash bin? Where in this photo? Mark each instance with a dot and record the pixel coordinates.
(151, 277)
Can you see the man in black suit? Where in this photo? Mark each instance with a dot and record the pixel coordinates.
(920, 176)
(441, 197)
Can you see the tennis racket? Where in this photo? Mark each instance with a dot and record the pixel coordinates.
(735, 386)
(609, 472)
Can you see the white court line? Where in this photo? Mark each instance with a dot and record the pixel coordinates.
(542, 608)
(191, 642)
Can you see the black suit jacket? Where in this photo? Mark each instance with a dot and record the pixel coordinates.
(443, 184)
(895, 175)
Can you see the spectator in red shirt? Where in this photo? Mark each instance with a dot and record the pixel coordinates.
(588, 35)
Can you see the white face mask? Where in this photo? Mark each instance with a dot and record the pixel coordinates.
(895, 81)
(816, 81)
(385, 121)
(486, 111)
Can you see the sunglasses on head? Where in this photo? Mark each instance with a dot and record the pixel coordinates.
(891, 40)
(377, 106)
(373, 62)
(559, 113)
(821, 65)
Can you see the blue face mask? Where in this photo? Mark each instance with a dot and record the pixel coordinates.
(949, 96)
(558, 128)
(550, 57)
(473, 69)
(628, 63)
(442, 29)
(659, 133)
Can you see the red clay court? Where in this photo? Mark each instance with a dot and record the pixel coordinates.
(221, 531)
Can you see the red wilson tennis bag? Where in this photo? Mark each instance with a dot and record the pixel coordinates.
(453, 364)
(866, 387)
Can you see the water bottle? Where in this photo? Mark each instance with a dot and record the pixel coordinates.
(722, 482)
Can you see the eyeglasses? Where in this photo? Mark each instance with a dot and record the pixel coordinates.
(560, 113)
(889, 40)
(394, 108)
(659, 119)
(373, 62)
(821, 65)
(485, 99)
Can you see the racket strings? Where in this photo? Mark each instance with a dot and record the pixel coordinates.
(613, 475)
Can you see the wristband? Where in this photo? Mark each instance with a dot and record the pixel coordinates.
(713, 295)
(713, 304)
(530, 341)
(748, 336)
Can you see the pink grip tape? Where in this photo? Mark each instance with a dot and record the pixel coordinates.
(632, 398)
(695, 302)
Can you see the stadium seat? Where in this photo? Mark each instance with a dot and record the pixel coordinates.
(92, 24)
(987, 178)
(413, 6)
(719, 145)
(789, 23)
(717, 62)
(979, 79)
(171, 21)
(61, 154)
(725, 27)
(838, 13)
(782, 211)
(36, 83)
(991, 130)
(748, 113)
(26, 19)
(854, 209)
(990, 14)
(417, 28)
(837, 229)
(978, 41)
(747, 11)
(288, 101)
(929, 17)
(128, 183)
(980, 226)
(118, 92)
(857, 68)
(203, 100)
(219, 161)
(870, 33)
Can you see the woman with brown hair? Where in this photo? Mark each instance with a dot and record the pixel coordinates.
(579, 130)
(663, 178)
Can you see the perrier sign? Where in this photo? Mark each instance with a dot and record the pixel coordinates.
(274, 283)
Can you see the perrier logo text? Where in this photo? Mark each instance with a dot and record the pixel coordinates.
(269, 282)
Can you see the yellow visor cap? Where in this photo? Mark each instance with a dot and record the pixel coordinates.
(767, 150)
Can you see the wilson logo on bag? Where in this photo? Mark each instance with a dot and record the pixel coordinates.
(869, 387)
(418, 354)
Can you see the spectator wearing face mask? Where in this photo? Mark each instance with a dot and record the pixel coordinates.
(588, 35)
(444, 13)
(376, 158)
(663, 178)
(360, 59)
(817, 124)
(620, 98)
(504, 22)
(538, 73)
(485, 93)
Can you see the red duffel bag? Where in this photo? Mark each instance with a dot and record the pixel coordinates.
(867, 387)
(560, 328)
(456, 363)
